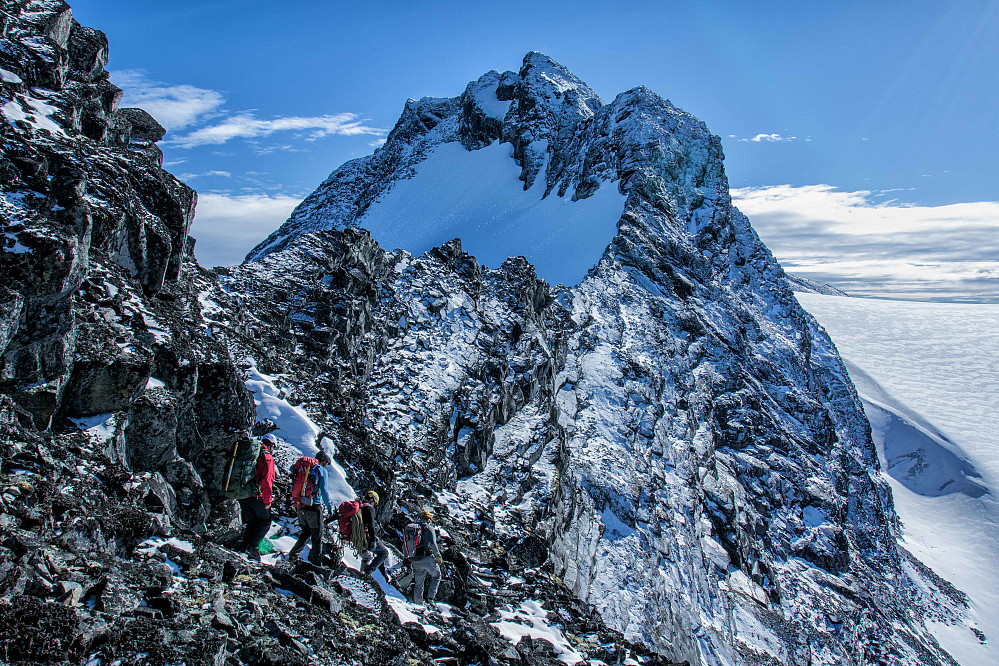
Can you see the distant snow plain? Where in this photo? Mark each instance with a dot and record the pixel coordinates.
(928, 375)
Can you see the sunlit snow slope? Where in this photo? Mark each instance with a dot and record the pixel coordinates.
(478, 196)
(928, 374)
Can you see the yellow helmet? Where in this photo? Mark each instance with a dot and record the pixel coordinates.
(426, 514)
(373, 496)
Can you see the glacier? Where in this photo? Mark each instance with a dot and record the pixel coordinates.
(928, 377)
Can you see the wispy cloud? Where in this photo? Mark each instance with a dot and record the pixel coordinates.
(191, 176)
(770, 138)
(229, 226)
(174, 106)
(247, 126)
(872, 248)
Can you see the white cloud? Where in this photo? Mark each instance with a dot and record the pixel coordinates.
(246, 126)
(377, 143)
(229, 226)
(770, 138)
(875, 248)
(173, 106)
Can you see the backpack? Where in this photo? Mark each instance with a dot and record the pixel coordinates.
(304, 478)
(412, 539)
(241, 481)
(352, 525)
(346, 512)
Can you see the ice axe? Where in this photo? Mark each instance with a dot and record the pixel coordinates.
(232, 463)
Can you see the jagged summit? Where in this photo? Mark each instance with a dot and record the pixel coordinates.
(483, 167)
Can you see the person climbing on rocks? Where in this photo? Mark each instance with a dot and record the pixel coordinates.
(251, 481)
(377, 552)
(309, 495)
(420, 546)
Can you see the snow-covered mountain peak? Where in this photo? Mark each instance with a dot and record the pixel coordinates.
(547, 85)
(483, 166)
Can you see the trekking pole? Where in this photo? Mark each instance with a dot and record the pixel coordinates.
(232, 463)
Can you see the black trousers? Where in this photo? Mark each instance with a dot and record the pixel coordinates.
(258, 522)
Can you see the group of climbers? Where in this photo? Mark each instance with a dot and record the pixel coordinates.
(250, 480)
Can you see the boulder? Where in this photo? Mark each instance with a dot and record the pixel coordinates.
(142, 126)
(151, 435)
(88, 53)
(106, 377)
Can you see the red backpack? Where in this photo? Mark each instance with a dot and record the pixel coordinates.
(346, 512)
(303, 482)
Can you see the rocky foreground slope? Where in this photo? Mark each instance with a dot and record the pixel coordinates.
(667, 458)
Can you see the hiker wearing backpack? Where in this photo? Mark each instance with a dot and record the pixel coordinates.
(251, 481)
(309, 495)
(378, 553)
(419, 541)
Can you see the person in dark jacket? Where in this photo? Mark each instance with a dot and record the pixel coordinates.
(378, 551)
(256, 511)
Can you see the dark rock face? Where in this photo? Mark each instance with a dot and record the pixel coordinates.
(96, 320)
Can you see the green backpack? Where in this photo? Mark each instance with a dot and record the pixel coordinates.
(240, 482)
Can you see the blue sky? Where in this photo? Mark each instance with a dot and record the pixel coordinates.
(827, 112)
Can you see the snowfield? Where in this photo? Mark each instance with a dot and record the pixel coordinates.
(477, 195)
(928, 375)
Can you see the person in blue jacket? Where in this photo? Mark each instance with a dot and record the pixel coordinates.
(310, 509)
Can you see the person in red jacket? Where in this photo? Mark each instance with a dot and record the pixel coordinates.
(257, 510)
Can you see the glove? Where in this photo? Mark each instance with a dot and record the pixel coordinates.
(438, 560)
